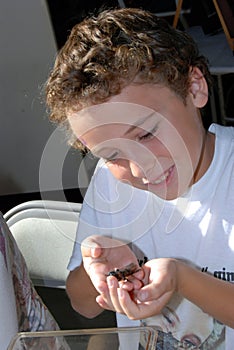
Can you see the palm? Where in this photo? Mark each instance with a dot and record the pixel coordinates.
(103, 254)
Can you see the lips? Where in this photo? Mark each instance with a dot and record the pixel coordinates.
(160, 179)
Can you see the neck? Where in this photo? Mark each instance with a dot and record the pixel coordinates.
(206, 156)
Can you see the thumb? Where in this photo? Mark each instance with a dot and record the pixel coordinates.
(90, 248)
(149, 292)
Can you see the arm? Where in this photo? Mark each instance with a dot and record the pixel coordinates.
(211, 294)
(82, 293)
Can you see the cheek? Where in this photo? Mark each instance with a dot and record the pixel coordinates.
(120, 170)
(175, 144)
(159, 147)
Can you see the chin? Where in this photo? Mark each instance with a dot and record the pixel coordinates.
(163, 193)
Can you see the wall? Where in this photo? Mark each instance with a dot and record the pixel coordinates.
(28, 50)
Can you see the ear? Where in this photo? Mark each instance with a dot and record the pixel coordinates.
(198, 88)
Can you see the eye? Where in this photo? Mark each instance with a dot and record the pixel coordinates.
(112, 158)
(147, 135)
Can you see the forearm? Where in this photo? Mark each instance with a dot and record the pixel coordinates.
(82, 293)
(212, 295)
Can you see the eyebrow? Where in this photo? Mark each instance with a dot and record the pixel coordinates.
(138, 123)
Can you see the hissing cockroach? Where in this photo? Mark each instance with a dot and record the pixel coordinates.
(124, 273)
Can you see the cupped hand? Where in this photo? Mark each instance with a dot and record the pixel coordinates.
(100, 256)
(159, 284)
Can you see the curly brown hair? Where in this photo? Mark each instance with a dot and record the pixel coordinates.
(105, 53)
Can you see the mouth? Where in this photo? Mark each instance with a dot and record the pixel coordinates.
(161, 179)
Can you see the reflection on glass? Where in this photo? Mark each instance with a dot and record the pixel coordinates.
(139, 338)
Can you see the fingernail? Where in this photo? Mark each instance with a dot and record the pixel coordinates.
(93, 252)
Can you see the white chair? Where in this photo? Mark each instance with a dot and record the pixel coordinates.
(45, 232)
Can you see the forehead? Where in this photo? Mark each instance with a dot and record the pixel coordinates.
(124, 113)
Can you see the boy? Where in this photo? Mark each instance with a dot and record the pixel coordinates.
(131, 88)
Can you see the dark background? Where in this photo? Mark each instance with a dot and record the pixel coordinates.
(65, 14)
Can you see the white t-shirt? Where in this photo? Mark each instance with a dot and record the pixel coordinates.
(198, 227)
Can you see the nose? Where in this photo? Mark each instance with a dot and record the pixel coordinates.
(136, 170)
(141, 160)
(143, 167)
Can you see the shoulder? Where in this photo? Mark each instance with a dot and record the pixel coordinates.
(224, 144)
(225, 133)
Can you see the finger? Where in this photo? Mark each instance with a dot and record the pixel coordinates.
(104, 299)
(90, 248)
(149, 292)
(153, 291)
(139, 274)
(101, 286)
(135, 279)
(136, 311)
(131, 284)
(101, 300)
(98, 278)
(113, 285)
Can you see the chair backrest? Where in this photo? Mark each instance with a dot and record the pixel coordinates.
(45, 232)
